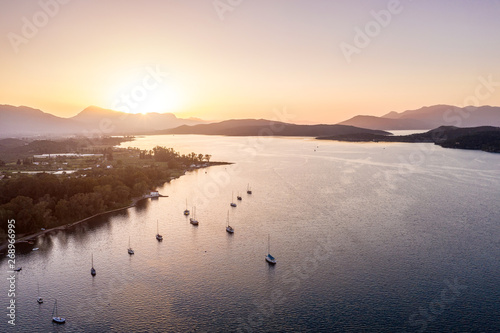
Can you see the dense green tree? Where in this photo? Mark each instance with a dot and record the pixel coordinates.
(63, 211)
(48, 200)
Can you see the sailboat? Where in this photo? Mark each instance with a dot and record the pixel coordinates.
(158, 236)
(238, 197)
(130, 251)
(269, 258)
(193, 219)
(249, 191)
(39, 299)
(186, 211)
(232, 203)
(229, 228)
(92, 270)
(56, 318)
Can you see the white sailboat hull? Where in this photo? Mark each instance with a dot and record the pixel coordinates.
(270, 259)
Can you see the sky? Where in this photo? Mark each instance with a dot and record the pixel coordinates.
(320, 61)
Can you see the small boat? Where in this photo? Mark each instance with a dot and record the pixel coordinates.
(186, 211)
(238, 197)
(158, 236)
(269, 258)
(55, 317)
(39, 299)
(229, 228)
(193, 219)
(249, 191)
(232, 203)
(130, 251)
(92, 270)
(35, 249)
(18, 269)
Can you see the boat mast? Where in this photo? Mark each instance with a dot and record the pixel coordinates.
(54, 309)
(268, 243)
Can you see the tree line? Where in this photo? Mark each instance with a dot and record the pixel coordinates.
(46, 200)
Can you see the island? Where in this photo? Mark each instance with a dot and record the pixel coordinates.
(485, 138)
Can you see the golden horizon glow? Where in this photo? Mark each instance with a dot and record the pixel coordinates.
(261, 57)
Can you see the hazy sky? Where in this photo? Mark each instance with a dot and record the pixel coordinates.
(245, 58)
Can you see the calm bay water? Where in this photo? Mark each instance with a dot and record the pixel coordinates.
(368, 238)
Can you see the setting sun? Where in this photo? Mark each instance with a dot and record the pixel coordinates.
(144, 90)
(161, 100)
(313, 166)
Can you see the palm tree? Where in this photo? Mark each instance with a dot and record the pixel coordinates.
(208, 157)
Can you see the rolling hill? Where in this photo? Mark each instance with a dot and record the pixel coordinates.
(263, 127)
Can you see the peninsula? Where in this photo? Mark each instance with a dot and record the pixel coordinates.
(110, 180)
(485, 138)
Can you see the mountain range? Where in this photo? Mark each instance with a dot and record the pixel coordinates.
(430, 117)
(25, 121)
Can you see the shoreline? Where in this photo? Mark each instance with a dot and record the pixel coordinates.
(26, 238)
(133, 203)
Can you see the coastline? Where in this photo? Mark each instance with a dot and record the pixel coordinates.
(25, 238)
(133, 203)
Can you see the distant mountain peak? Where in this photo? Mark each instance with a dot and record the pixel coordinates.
(95, 110)
(391, 115)
(26, 121)
(429, 117)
